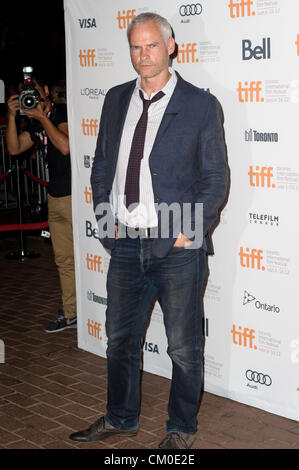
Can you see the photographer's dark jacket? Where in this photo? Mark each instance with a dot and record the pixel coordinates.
(59, 165)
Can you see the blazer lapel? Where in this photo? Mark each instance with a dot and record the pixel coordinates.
(122, 109)
(174, 107)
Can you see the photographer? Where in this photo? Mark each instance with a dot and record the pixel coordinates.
(48, 128)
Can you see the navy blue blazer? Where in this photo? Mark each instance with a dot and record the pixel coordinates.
(188, 158)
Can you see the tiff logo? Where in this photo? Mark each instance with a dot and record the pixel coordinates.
(124, 19)
(297, 44)
(250, 92)
(94, 263)
(186, 53)
(261, 177)
(87, 58)
(240, 8)
(88, 195)
(251, 258)
(258, 52)
(94, 329)
(90, 127)
(244, 337)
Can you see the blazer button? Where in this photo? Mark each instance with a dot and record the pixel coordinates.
(108, 192)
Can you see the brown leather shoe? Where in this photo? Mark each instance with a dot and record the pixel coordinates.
(177, 440)
(99, 430)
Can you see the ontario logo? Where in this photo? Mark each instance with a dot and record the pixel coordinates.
(259, 305)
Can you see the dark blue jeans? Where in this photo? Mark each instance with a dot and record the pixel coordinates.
(178, 279)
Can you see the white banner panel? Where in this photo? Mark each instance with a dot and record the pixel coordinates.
(246, 52)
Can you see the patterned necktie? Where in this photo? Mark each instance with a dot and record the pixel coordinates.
(136, 154)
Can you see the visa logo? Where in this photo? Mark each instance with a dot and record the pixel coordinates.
(87, 23)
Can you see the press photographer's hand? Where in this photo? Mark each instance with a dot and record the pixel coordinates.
(37, 113)
(13, 105)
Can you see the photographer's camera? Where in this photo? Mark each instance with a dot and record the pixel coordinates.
(30, 97)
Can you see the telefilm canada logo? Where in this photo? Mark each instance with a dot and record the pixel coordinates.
(269, 220)
(251, 300)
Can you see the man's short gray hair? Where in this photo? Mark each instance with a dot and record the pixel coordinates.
(145, 17)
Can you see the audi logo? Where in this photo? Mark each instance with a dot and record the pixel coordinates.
(258, 378)
(191, 10)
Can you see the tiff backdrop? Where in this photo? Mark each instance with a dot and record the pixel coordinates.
(246, 52)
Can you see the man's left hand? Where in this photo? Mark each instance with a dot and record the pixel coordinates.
(182, 241)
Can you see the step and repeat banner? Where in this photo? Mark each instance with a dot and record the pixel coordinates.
(246, 52)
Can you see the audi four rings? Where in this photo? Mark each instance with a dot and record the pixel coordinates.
(258, 377)
(191, 10)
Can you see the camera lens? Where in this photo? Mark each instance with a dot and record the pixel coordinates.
(28, 102)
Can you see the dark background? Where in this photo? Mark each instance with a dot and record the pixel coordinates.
(32, 33)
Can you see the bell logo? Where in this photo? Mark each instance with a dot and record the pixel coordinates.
(240, 8)
(124, 19)
(244, 337)
(94, 263)
(90, 127)
(87, 58)
(250, 91)
(297, 44)
(261, 177)
(251, 258)
(186, 53)
(88, 195)
(258, 52)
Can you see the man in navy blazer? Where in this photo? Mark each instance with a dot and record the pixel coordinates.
(182, 167)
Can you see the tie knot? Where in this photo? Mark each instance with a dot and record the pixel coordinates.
(157, 97)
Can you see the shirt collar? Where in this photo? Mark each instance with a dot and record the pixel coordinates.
(167, 89)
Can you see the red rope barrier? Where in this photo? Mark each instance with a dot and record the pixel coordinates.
(35, 178)
(3, 176)
(13, 227)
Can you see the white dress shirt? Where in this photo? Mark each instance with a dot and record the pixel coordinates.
(144, 215)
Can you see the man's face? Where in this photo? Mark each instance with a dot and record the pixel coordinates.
(149, 52)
